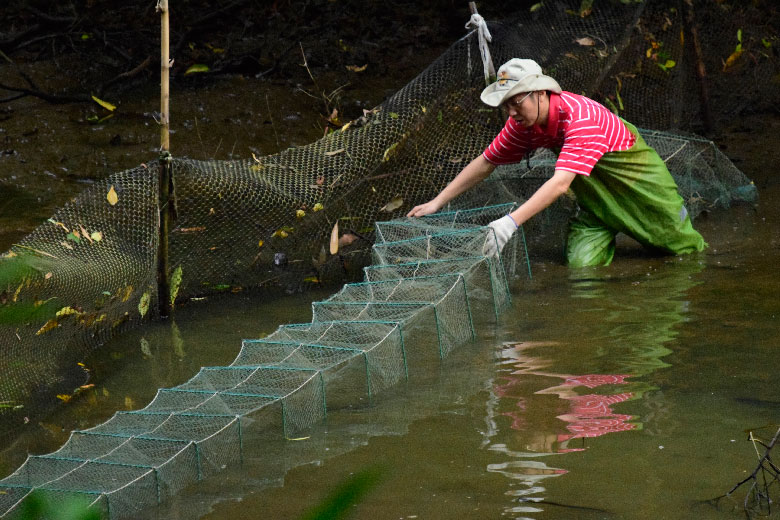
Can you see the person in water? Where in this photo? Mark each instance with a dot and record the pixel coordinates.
(621, 184)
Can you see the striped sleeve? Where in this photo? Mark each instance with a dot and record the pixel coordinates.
(583, 147)
(592, 131)
(509, 146)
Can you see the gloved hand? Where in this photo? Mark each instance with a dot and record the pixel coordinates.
(504, 228)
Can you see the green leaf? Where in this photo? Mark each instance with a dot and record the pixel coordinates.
(198, 67)
(143, 305)
(23, 312)
(766, 43)
(536, 7)
(175, 283)
(15, 269)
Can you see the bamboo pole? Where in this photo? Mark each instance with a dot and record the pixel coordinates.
(166, 175)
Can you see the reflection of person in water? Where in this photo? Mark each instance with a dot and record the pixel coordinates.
(586, 415)
(580, 386)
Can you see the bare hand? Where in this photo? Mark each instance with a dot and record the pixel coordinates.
(424, 209)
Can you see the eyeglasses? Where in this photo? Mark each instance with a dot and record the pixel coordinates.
(515, 104)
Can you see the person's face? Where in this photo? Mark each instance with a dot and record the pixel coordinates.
(523, 108)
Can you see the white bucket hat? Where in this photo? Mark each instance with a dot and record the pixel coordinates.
(517, 76)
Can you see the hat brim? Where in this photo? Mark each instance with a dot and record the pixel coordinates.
(495, 95)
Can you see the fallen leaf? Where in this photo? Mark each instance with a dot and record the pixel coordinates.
(393, 205)
(48, 275)
(49, 325)
(317, 207)
(536, 7)
(586, 41)
(260, 243)
(586, 7)
(105, 104)
(112, 196)
(346, 239)
(732, 59)
(195, 229)
(334, 152)
(66, 311)
(59, 224)
(127, 292)
(129, 403)
(334, 239)
(64, 397)
(66, 245)
(85, 234)
(300, 213)
(389, 152)
(143, 304)
(197, 67)
(97, 236)
(355, 68)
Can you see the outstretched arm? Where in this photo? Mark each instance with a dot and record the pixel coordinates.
(476, 171)
(506, 226)
(544, 196)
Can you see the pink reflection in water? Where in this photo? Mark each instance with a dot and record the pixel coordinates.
(592, 416)
(587, 416)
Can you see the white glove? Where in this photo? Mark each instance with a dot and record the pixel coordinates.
(504, 228)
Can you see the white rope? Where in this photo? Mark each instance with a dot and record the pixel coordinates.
(479, 24)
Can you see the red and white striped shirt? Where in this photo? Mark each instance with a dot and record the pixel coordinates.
(583, 129)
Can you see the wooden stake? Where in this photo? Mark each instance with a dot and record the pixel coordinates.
(166, 174)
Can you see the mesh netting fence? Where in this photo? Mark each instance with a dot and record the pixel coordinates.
(88, 273)
(361, 341)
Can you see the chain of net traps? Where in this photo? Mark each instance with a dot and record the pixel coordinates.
(421, 297)
(268, 222)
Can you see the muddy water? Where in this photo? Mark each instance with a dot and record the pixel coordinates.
(619, 392)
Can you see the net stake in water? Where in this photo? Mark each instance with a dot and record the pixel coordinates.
(166, 176)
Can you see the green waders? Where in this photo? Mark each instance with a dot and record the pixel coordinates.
(631, 192)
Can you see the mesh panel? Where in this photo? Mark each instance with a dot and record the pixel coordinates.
(360, 342)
